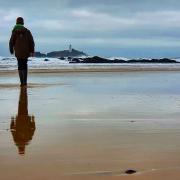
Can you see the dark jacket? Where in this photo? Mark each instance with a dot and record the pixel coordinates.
(22, 43)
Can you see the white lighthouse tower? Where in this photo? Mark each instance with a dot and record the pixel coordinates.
(70, 48)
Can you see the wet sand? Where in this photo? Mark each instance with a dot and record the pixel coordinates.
(75, 68)
(90, 126)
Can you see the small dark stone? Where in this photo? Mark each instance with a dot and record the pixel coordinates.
(130, 171)
(46, 59)
(132, 121)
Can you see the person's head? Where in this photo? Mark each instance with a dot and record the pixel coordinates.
(20, 20)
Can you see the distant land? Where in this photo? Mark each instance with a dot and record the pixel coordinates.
(72, 55)
(76, 56)
(97, 59)
(61, 54)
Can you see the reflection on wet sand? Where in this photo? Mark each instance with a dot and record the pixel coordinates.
(97, 127)
(22, 126)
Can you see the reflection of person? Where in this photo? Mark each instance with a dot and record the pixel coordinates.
(22, 126)
(22, 44)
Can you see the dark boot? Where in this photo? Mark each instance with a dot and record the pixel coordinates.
(25, 77)
(21, 76)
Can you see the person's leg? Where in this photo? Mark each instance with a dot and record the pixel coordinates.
(20, 76)
(20, 71)
(22, 68)
(25, 71)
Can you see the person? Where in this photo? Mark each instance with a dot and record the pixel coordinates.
(22, 125)
(22, 44)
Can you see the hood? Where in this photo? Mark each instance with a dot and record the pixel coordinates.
(20, 29)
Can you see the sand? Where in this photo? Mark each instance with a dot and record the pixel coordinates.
(74, 68)
(90, 126)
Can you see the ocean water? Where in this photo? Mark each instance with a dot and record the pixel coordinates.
(10, 63)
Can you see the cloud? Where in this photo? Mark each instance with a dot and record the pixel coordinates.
(8, 17)
(85, 24)
(124, 42)
(96, 23)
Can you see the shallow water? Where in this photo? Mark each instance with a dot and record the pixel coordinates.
(89, 124)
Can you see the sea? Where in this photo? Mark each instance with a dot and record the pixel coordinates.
(10, 63)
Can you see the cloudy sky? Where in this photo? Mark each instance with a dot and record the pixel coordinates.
(128, 28)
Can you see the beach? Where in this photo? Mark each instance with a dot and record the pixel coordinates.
(91, 124)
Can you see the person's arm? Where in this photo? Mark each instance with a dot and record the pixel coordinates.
(31, 44)
(11, 43)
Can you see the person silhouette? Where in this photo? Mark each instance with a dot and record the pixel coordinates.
(22, 126)
(22, 44)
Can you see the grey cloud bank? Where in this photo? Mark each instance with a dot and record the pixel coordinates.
(131, 28)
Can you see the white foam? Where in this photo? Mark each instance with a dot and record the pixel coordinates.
(122, 58)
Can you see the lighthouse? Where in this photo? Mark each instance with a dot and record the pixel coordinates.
(70, 48)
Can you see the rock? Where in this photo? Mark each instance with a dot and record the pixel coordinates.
(97, 59)
(69, 58)
(75, 60)
(7, 59)
(39, 54)
(46, 59)
(62, 58)
(132, 121)
(130, 171)
(164, 60)
(119, 61)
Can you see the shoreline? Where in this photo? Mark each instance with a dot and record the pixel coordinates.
(135, 68)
